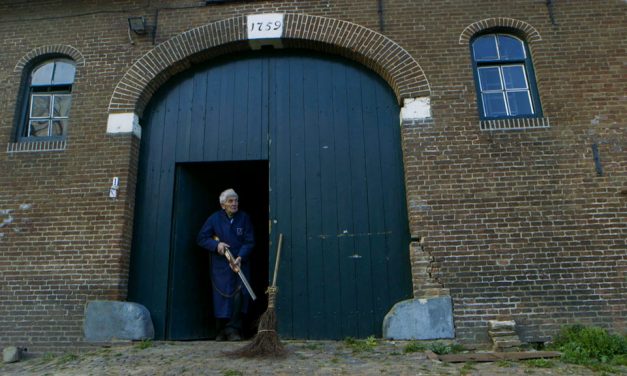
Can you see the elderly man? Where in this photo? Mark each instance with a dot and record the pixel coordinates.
(232, 229)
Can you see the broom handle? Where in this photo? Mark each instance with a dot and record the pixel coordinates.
(278, 257)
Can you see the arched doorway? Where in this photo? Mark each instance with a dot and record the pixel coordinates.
(324, 132)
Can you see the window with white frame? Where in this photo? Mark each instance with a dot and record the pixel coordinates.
(49, 100)
(504, 77)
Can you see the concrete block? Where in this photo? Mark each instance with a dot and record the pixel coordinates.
(430, 318)
(111, 320)
(11, 354)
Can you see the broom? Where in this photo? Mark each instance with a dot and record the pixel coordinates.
(266, 342)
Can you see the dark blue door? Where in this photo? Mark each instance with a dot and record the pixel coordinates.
(329, 130)
(338, 195)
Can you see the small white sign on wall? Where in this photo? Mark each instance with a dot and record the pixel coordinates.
(265, 26)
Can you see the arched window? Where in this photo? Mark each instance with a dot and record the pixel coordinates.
(506, 86)
(49, 100)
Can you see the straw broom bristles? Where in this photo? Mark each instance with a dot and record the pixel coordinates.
(266, 342)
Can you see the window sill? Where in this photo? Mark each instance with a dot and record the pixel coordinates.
(514, 124)
(36, 146)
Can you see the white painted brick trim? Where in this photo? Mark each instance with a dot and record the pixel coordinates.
(416, 109)
(127, 122)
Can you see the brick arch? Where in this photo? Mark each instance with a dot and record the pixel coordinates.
(347, 39)
(60, 49)
(530, 33)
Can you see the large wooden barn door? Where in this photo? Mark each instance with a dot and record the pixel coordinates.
(338, 195)
(209, 125)
(329, 129)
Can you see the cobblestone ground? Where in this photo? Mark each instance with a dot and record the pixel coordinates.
(305, 358)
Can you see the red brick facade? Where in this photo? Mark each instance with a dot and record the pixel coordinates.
(514, 224)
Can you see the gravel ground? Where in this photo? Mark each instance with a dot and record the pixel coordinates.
(304, 358)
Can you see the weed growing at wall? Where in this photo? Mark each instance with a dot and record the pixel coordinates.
(593, 347)
(413, 347)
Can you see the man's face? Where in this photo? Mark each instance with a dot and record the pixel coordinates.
(230, 206)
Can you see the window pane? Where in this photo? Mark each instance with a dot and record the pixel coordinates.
(511, 48)
(62, 105)
(42, 75)
(489, 79)
(38, 128)
(519, 103)
(40, 106)
(494, 104)
(59, 127)
(63, 73)
(484, 48)
(514, 77)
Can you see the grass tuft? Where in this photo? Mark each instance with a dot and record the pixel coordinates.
(414, 346)
(467, 368)
(66, 358)
(313, 346)
(442, 348)
(539, 363)
(504, 363)
(231, 372)
(361, 345)
(145, 344)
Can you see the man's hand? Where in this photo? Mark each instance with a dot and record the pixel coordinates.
(221, 247)
(235, 265)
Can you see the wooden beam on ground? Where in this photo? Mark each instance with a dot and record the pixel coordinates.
(495, 356)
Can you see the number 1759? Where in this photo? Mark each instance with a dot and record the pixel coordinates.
(265, 26)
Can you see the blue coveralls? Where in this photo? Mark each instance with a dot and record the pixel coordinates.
(237, 232)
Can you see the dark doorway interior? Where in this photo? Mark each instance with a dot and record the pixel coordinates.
(189, 313)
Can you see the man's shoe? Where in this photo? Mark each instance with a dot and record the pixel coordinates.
(221, 337)
(234, 337)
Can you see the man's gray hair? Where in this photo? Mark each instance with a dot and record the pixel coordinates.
(226, 194)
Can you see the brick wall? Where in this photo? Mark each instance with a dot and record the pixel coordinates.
(514, 224)
(519, 223)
